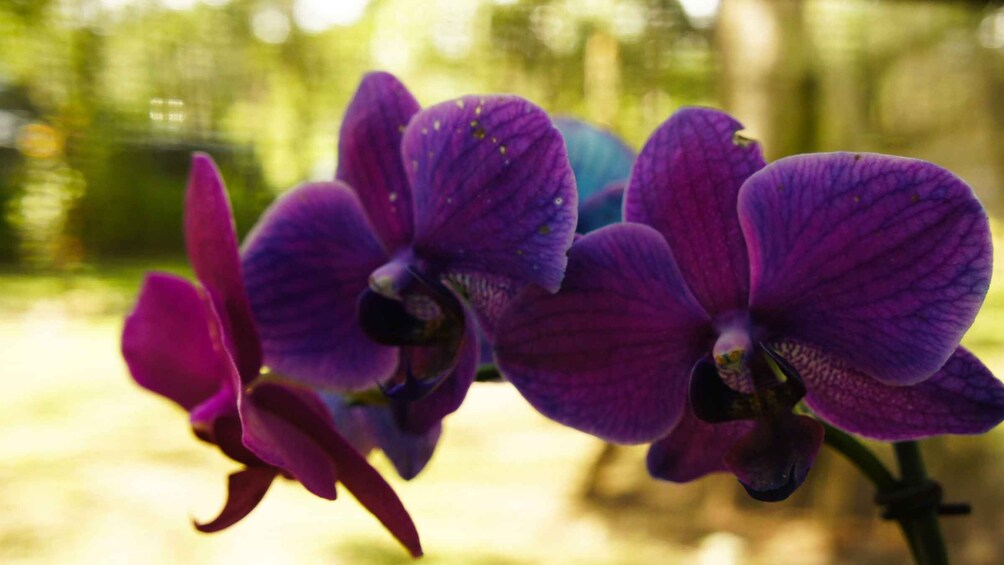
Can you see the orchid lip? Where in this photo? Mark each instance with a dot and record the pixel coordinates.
(714, 401)
(772, 460)
(777, 493)
(403, 307)
(775, 456)
(412, 388)
(791, 387)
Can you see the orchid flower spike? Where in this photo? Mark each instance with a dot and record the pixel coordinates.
(197, 344)
(736, 290)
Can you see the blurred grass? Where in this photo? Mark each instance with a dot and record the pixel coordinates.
(88, 290)
(97, 471)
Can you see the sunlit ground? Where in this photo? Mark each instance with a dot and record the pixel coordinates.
(94, 470)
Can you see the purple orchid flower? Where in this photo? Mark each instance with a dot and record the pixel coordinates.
(436, 219)
(601, 162)
(736, 289)
(197, 345)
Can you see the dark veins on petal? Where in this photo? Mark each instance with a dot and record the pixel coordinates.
(881, 261)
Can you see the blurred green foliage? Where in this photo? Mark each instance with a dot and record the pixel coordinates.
(102, 101)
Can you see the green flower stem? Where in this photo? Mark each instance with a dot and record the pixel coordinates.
(875, 471)
(930, 545)
(920, 528)
(919, 522)
(861, 457)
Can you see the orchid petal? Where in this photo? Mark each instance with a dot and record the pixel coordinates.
(368, 426)
(880, 261)
(369, 155)
(280, 428)
(373, 492)
(221, 405)
(306, 414)
(211, 240)
(684, 184)
(409, 453)
(694, 448)
(597, 156)
(487, 295)
(611, 353)
(773, 459)
(493, 192)
(305, 265)
(228, 434)
(168, 342)
(963, 397)
(352, 421)
(602, 209)
(246, 488)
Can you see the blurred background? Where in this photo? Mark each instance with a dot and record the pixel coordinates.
(102, 102)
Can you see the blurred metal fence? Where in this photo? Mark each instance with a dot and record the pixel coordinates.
(102, 100)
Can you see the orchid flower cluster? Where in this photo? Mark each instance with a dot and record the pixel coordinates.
(736, 306)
